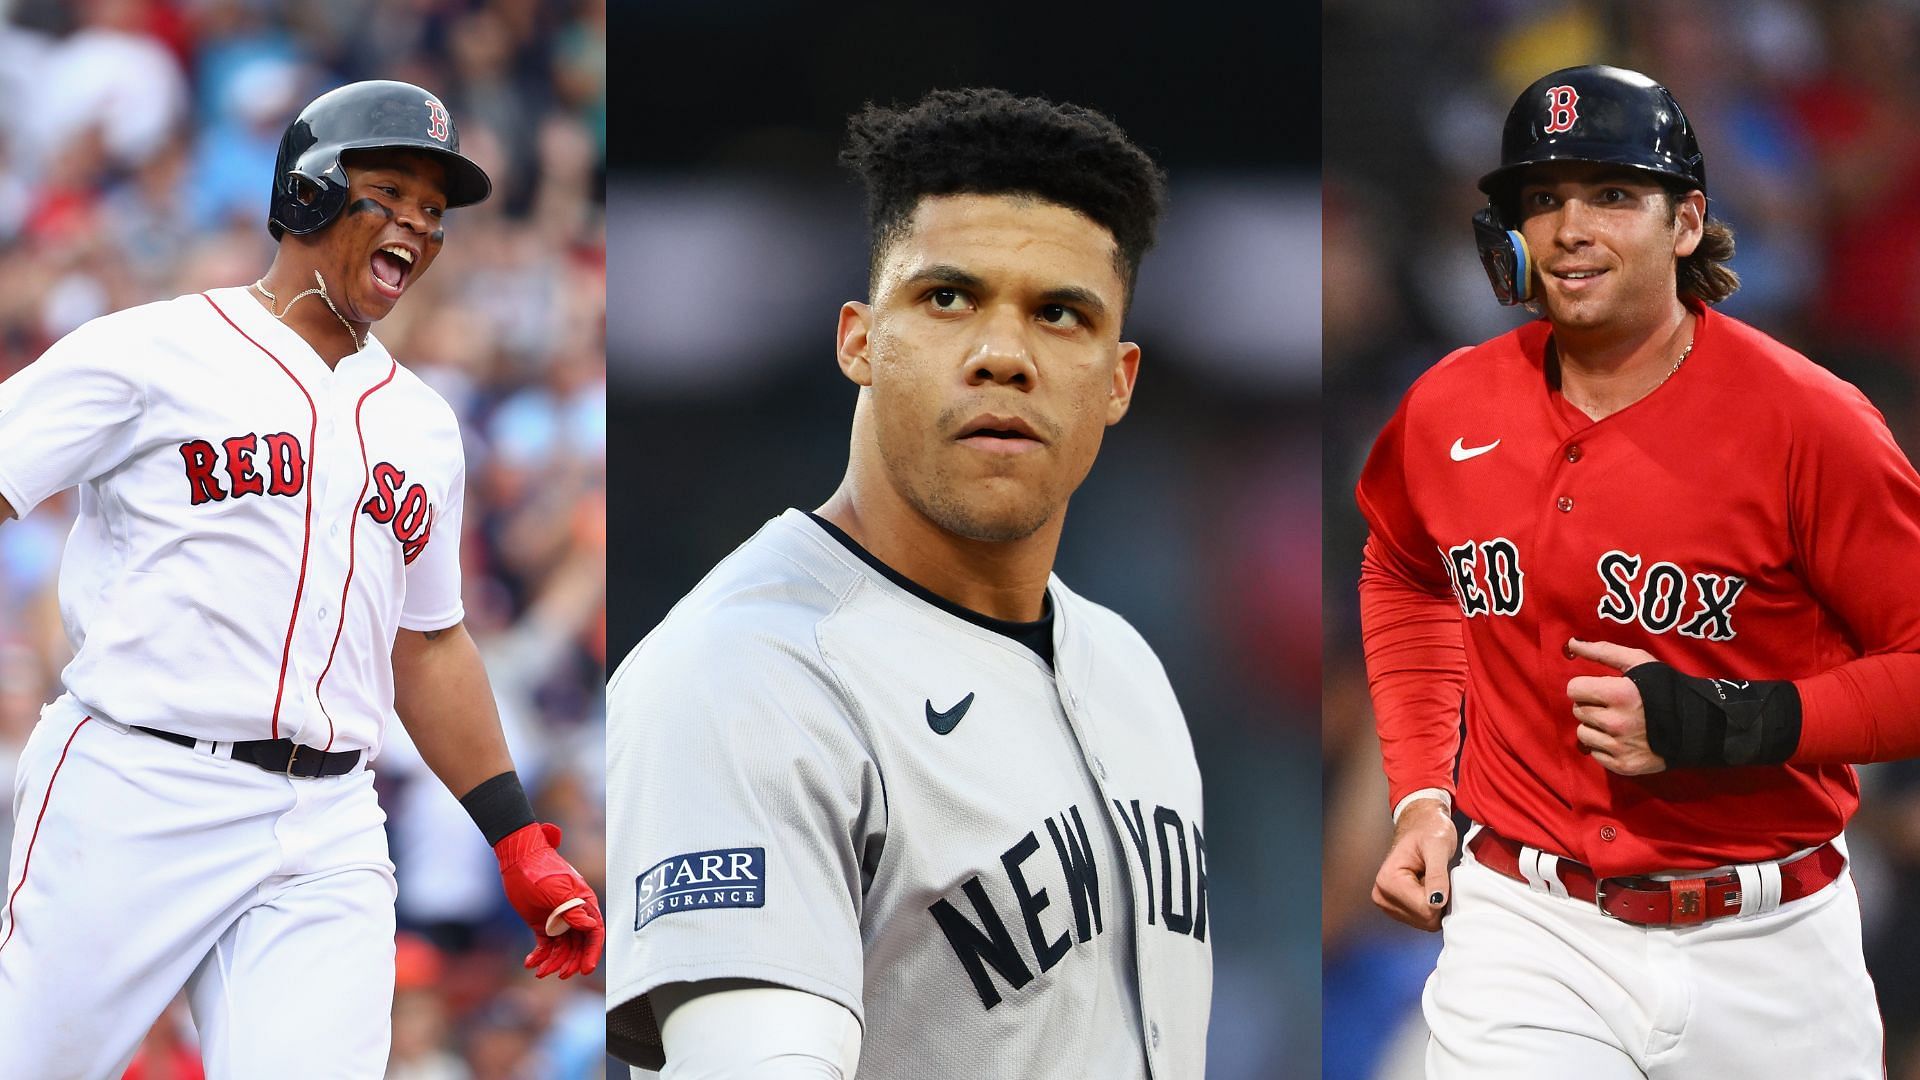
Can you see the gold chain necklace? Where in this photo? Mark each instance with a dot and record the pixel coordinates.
(1684, 353)
(320, 289)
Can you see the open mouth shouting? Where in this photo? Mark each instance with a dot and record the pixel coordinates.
(391, 265)
(994, 433)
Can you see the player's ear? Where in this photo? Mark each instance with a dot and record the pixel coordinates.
(1126, 369)
(1690, 220)
(851, 342)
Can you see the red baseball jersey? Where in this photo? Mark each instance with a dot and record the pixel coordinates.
(1750, 518)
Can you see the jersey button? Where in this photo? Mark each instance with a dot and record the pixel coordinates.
(323, 613)
(1573, 452)
(1099, 767)
(1565, 504)
(1153, 1035)
(1607, 833)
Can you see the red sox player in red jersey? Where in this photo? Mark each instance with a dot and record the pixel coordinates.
(1661, 570)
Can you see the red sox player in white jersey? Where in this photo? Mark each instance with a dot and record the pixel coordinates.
(1667, 572)
(264, 569)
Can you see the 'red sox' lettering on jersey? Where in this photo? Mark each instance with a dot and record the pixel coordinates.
(251, 464)
(410, 515)
(1486, 577)
(1664, 592)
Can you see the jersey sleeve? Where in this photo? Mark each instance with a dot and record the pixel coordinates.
(1410, 627)
(1854, 503)
(433, 577)
(71, 415)
(744, 811)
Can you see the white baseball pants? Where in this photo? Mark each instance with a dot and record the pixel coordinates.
(1530, 984)
(139, 866)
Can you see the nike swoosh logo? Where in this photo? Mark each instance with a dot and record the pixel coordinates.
(1460, 452)
(944, 722)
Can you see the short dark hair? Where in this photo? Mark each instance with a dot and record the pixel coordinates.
(990, 142)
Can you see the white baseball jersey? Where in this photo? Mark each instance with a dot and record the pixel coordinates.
(824, 777)
(253, 526)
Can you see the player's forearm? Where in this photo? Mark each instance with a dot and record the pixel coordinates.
(1862, 711)
(441, 693)
(1417, 672)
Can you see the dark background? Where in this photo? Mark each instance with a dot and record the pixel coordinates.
(1810, 123)
(735, 238)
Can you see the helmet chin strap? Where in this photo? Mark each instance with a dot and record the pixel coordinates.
(320, 290)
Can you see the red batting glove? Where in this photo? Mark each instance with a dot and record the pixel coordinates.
(548, 892)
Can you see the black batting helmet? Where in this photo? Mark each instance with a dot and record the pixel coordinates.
(309, 184)
(1605, 115)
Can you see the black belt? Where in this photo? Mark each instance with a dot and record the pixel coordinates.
(283, 756)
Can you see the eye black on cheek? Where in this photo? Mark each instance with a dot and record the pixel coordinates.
(438, 235)
(369, 206)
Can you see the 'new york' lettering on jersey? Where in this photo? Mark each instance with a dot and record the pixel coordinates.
(981, 940)
(217, 582)
(1024, 894)
(1796, 553)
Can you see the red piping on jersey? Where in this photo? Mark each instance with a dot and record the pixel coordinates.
(341, 623)
(26, 861)
(306, 538)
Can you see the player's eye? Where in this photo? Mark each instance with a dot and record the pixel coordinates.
(1613, 195)
(1060, 315)
(948, 299)
(1536, 200)
(388, 190)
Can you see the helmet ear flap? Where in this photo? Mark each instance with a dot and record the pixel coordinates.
(306, 199)
(1503, 252)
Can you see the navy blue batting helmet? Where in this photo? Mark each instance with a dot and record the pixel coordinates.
(309, 182)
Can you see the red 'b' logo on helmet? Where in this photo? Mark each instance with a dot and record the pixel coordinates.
(439, 124)
(1561, 113)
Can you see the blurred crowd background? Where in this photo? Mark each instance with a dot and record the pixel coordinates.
(1810, 121)
(137, 142)
(735, 238)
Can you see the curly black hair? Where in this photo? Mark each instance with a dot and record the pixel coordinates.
(990, 142)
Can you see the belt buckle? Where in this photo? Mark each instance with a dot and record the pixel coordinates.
(1600, 898)
(293, 755)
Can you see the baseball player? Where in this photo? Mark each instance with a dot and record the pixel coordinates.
(886, 798)
(1670, 565)
(264, 568)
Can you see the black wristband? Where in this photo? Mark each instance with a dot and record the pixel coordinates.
(499, 806)
(1694, 722)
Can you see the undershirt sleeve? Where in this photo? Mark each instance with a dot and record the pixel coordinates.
(1410, 627)
(732, 1030)
(1417, 672)
(1854, 502)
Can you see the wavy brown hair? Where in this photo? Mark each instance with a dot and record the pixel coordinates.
(1705, 275)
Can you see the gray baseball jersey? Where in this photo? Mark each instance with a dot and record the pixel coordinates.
(823, 777)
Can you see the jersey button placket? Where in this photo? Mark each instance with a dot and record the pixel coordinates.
(1564, 504)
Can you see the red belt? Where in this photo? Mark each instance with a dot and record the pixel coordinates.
(1646, 901)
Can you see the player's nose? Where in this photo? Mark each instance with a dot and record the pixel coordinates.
(413, 217)
(1002, 353)
(1573, 223)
